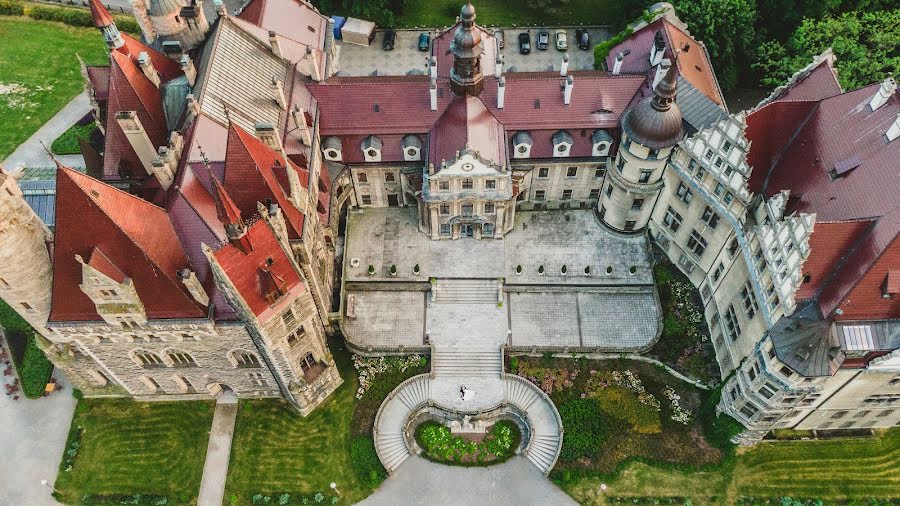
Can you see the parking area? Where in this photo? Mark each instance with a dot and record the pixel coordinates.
(406, 58)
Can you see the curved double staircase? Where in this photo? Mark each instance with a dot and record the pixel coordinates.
(470, 356)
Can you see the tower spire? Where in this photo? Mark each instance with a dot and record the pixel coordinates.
(107, 25)
(230, 216)
(664, 94)
(466, 77)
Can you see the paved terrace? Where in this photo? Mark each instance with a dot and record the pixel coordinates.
(611, 312)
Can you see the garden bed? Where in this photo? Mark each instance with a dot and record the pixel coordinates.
(616, 411)
(440, 445)
(684, 344)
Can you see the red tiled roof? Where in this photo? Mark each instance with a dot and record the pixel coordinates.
(769, 129)
(248, 269)
(226, 210)
(693, 61)
(829, 244)
(542, 146)
(102, 264)
(254, 173)
(137, 237)
(294, 19)
(99, 77)
(99, 14)
(819, 83)
(467, 123)
(892, 282)
(165, 66)
(130, 90)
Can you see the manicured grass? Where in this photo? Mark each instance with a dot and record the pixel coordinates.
(38, 59)
(420, 13)
(835, 471)
(67, 143)
(277, 451)
(127, 447)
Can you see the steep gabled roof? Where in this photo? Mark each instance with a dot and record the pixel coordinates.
(467, 123)
(166, 67)
(99, 14)
(135, 236)
(295, 19)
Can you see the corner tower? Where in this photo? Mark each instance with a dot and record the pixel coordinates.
(466, 77)
(26, 274)
(649, 132)
(104, 21)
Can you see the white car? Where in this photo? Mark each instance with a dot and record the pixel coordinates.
(562, 42)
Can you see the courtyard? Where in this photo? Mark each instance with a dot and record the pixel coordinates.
(610, 307)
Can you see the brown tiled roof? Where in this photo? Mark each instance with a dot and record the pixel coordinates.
(99, 14)
(467, 123)
(102, 264)
(166, 67)
(137, 237)
(294, 19)
(99, 77)
(829, 244)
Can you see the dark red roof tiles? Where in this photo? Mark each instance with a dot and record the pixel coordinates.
(769, 129)
(167, 68)
(467, 123)
(99, 14)
(819, 83)
(829, 244)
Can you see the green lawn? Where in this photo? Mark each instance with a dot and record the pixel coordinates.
(125, 447)
(840, 470)
(418, 13)
(39, 73)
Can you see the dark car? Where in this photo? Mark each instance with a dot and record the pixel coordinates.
(390, 36)
(582, 39)
(524, 43)
(543, 40)
(424, 41)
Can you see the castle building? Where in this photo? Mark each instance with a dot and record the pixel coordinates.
(201, 255)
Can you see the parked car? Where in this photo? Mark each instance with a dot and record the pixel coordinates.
(424, 41)
(582, 38)
(543, 40)
(390, 36)
(498, 36)
(524, 43)
(562, 40)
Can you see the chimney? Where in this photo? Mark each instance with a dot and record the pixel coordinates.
(564, 66)
(501, 92)
(190, 281)
(273, 43)
(887, 88)
(310, 65)
(265, 132)
(131, 125)
(433, 90)
(187, 66)
(148, 69)
(300, 119)
(192, 105)
(162, 169)
(894, 130)
(432, 67)
(498, 66)
(617, 66)
(661, 71)
(567, 92)
(220, 8)
(278, 91)
(173, 50)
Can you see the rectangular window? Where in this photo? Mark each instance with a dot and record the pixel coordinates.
(609, 191)
(684, 193)
(362, 177)
(732, 326)
(490, 184)
(489, 208)
(389, 177)
(750, 305)
(672, 219)
(444, 186)
(733, 247)
(25, 305)
(487, 229)
(468, 209)
(567, 194)
(620, 164)
(539, 195)
(645, 175)
(726, 147)
(445, 229)
(595, 193)
(717, 272)
(696, 243)
(710, 217)
(637, 204)
(629, 225)
(599, 172)
(728, 198)
(602, 212)
(258, 379)
(445, 209)
(467, 184)
(366, 200)
(653, 155)
(288, 318)
(708, 154)
(719, 189)
(572, 172)
(543, 172)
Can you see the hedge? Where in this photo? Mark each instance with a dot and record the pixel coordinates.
(65, 15)
(366, 464)
(34, 368)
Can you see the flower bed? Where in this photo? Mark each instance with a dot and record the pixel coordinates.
(440, 445)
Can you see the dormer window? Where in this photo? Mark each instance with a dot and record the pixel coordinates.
(562, 143)
(412, 148)
(522, 143)
(331, 148)
(371, 148)
(601, 141)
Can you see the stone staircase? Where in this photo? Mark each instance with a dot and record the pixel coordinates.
(466, 291)
(546, 427)
(390, 443)
(472, 363)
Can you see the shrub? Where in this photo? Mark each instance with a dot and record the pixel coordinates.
(440, 445)
(718, 428)
(364, 458)
(513, 364)
(35, 369)
(11, 8)
(585, 428)
(601, 50)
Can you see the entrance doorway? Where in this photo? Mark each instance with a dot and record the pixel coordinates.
(466, 231)
(393, 200)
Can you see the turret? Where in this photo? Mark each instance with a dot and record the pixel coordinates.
(466, 77)
(230, 216)
(649, 132)
(104, 21)
(176, 20)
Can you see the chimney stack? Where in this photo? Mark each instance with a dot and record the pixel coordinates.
(432, 67)
(501, 92)
(661, 71)
(564, 66)
(433, 91)
(220, 8)
(567, 92)
(888, 87)
(498, 66)
(300, 119)
(278, 91)
(187, 66)
(148, 69)
(266, 132)
(192, 105)
(617, 66)
(894, 130)
(273, 44)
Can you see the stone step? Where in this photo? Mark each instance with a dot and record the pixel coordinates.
(466, 291)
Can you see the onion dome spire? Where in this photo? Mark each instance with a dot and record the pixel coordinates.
(664, 95)
(466, 77)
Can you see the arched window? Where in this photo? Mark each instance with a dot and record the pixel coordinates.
(241, 358)
(145, 358)
(180, 359)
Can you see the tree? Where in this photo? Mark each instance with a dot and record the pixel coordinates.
(726, 28)
(866, 44)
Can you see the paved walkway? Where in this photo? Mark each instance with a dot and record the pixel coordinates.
(32, 154)
(215, 470)
(33, 436)
(514, 483)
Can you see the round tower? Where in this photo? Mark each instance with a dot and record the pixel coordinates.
(104, 21)
(466, 77)
(649, 132)
(26, 274)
